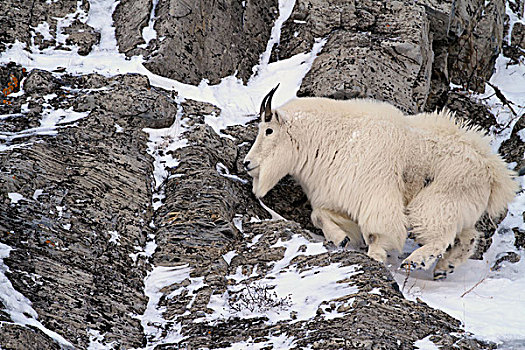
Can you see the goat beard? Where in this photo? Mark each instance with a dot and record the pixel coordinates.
(257, 190)
(255, 186)
(262, 184)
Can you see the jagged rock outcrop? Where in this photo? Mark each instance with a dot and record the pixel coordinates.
(78, 231)
(81, 35)
(130, 18)
(40, 21)
(466, 38)
(197, 40)
(476, 31)
(513, 149)
(372, 49)
(518, 35)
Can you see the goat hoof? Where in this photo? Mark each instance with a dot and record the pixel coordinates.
(413, 265)
(344, 242)
(440, 275)
(408, 265)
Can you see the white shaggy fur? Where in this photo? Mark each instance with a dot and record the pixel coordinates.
(364, 162)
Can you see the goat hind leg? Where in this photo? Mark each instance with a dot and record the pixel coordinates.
(464, 246)
(434, 219)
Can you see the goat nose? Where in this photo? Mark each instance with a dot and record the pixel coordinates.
(246, 164)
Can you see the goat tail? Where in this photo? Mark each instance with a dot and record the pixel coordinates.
(503, 186)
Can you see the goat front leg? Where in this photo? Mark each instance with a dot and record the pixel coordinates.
(330, 222)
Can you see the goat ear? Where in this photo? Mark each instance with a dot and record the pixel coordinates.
(277, 118)
(266, 105)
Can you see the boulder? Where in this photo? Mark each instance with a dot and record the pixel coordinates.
(197, 40)
(81, 35)
(38, 22)
(476, 31)
(373, 49)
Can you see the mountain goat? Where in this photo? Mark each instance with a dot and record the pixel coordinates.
(364, 162)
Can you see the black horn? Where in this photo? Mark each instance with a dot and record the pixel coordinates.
(263, 103)
(266, 105)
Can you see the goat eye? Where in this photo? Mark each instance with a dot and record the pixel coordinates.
(269, 131)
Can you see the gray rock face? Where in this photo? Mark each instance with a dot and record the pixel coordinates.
(197, 40)
(514, 148)
(18, 337)
(438, 13)
(373, 49)
(477, 29)
(470, 110)
(518, 35)
(130, 18)
(85, 209)
(24, 21)
(466, 40)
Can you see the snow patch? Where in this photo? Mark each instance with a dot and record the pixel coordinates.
(237, 222)
(224, 171)
(149, 33)
(100, 18)
(510, 80)
(274, 215)
(96, 341)
(37, 194)
(43, 29)
(425, 344)
(521, 134)
(475, 293)
(281, 341)
(18, 307)
(152, 320)
(51, 121)
(115, 237)
(277, 292)
(285, 10)
(15, 197)
(376, 291)
(229, 256)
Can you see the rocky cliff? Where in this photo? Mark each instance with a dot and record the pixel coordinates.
(99, 251)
